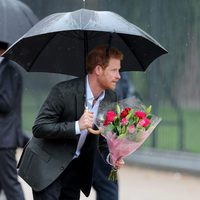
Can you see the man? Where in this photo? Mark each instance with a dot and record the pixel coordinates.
(10, 126)
(59, 160)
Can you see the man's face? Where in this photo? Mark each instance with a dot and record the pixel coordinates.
(109, 76)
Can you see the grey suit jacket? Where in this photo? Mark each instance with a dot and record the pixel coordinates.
(10, 105)
(54, 140)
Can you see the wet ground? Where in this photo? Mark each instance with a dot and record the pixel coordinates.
(137, 183)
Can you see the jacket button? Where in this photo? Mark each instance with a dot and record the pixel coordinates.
(62, 168)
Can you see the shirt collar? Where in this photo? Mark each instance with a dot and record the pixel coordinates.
(1, 59)
(89, 95)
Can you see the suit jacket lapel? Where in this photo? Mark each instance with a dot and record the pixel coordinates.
(80, 98)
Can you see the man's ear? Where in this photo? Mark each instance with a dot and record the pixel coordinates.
(98, 69)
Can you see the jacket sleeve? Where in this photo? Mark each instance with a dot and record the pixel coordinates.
(48, 124)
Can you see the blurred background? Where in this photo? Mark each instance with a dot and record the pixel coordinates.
(170, 84)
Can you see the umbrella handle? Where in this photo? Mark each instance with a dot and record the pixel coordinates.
(90, 130)
(95, 132)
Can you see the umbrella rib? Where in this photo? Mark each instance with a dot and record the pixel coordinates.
(121, 36)
(38, 53)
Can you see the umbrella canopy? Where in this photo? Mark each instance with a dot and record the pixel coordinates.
(60, 42)
(16, 18)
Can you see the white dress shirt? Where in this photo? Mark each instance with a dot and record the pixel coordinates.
(94, 109)
(1, 59)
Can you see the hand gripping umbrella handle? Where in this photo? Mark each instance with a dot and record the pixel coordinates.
(90, 130)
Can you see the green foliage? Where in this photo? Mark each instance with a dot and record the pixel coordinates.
(167, 136)
(175, 24)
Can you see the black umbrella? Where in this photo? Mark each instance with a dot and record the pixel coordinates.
(16, 18)
(60, 42)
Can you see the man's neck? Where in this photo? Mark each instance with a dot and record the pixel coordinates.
(94, 86)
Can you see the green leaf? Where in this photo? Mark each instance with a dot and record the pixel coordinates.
(123, 130)
(148, 110)
(121, 136)
(118, 109)
(119, 130)
(136, 120)
(149, 116)
(129, 115)
(116, 121)
(130, 122)
(110, 127)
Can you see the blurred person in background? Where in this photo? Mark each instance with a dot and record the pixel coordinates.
(125, 87)
(11, 135)
(106, 189)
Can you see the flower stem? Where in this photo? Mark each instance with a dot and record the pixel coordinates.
(113, 175)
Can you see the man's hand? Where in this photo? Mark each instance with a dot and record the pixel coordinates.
(86, 120)
(119, 163)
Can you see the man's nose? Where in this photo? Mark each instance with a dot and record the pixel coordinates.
(118, 75)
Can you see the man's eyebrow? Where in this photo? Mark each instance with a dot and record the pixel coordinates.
(114, 66)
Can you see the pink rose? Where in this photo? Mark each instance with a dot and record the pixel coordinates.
(144, 122)
(140, 114)
(110, 116)
(124, 121)
(131, 129)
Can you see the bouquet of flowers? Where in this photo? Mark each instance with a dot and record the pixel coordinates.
(125, 125)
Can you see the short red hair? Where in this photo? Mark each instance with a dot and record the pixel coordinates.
(101, 55)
